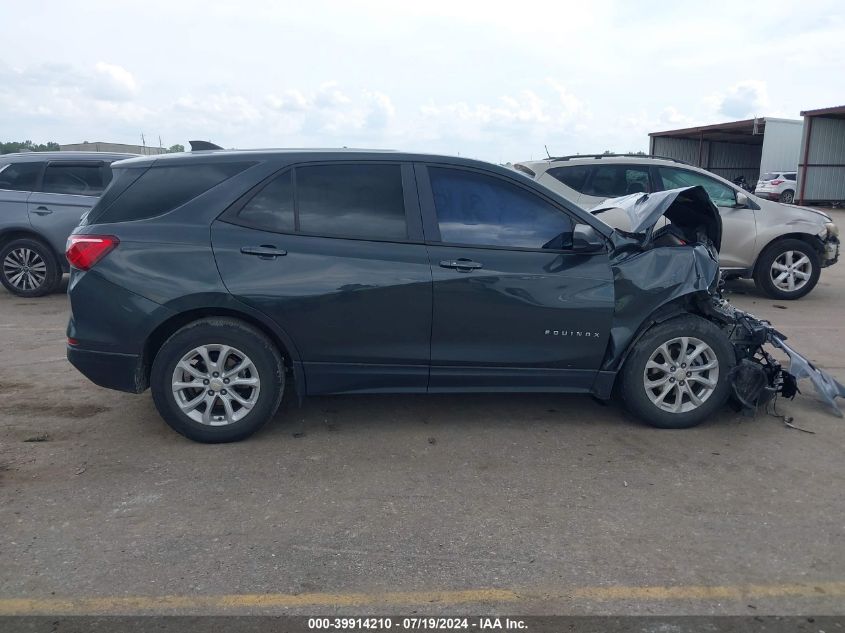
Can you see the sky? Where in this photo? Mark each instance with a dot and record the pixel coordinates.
(492, 80)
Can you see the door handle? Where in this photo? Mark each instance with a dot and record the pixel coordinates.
(42, 210)
(265, 251)
(464, 265)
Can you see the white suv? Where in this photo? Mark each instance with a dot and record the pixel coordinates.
(777, 185)
(782, 247)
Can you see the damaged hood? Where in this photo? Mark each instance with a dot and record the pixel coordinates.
(689, 208)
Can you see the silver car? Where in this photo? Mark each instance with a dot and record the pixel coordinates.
(42, 197)
(782, 247)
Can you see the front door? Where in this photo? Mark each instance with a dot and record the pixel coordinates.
(333, 253)
(514, 306)
(68, 190)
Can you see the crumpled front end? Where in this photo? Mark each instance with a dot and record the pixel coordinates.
(672, 270)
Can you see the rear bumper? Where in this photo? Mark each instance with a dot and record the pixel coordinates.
(111, 370)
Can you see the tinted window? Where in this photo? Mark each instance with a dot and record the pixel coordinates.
(161, 189)
(272, 207)
(474, 208)
(612, 181)
(769, 175)
(74, 178)
(352, 201)
(790, 175)
(573, 177)
(721, 195)
(20, 176)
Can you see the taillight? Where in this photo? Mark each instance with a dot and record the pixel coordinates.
(83, 251)
(776, 182)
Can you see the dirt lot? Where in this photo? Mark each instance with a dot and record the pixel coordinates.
(437, 504)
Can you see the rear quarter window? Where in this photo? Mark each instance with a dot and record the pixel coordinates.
(137, 194)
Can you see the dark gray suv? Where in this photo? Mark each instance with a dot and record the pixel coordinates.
(42, 197)
(221, 278)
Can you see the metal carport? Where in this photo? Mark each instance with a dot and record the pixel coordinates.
(821, 172)
(736, 148)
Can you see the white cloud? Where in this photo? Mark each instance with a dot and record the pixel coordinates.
(487, 79)
(745, 99)
(113, 83)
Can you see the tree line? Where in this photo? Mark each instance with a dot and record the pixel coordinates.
(12, 147)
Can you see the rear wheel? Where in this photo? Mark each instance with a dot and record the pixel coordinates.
(677, 375)
(28, 268)
(787, 196)
(787, 269)
(217, 380)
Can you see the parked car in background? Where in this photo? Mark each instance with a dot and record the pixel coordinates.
(782, 247)
(218, 278)
(777, 185)
(43, 195)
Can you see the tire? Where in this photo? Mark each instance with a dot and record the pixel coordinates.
(195, 412)
(29, 268)
(787, 197)
(778, 254)
(668, 413)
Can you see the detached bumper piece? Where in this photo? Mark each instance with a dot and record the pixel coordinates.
(826, 385)
(759, 376)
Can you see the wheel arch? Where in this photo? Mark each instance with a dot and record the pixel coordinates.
(810, 239)
(22, 232)
(680, 306)
(280, 339)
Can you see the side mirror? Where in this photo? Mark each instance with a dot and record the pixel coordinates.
(586, 239)
(741, 200)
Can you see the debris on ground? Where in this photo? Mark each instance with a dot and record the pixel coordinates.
(38, 437)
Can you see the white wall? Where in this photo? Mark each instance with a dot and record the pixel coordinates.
(781, 145)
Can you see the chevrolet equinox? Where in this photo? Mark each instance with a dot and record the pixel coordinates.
(220, 278)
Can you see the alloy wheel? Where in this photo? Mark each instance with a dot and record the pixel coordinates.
(215, 385)
(24, 269)
(681, 374)
(791, 271)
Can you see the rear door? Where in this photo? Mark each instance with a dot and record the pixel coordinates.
(514, 306)
(67, 190)
(333, 253)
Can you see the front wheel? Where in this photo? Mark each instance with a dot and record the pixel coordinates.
(677, 375)
(217, 380)
(787, 269)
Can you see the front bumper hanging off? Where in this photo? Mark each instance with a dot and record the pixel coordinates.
(758, 376)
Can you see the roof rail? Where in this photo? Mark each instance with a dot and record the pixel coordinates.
(597, 156)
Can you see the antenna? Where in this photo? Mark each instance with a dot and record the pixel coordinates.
(549, 156)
